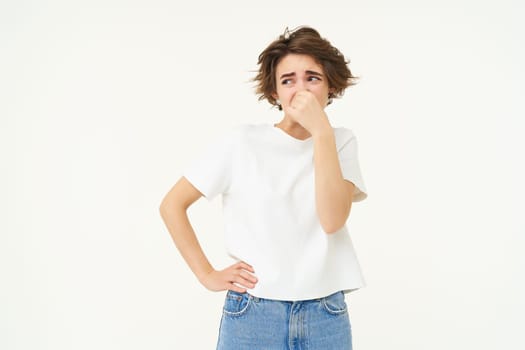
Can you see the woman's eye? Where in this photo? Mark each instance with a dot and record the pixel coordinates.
(314, 77)
(286, 81)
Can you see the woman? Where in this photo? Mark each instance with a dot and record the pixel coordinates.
(287, 190)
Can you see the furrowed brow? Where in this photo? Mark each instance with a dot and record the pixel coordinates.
(286, 75)
(314, 73)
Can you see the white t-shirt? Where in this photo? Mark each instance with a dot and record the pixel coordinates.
(266, 178)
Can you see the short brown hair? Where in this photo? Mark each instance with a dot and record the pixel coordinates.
(302, 40)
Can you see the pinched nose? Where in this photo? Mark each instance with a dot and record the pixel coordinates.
(300, 86)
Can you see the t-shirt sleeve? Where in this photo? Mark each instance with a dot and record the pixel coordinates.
(211, 171)
(349, 161)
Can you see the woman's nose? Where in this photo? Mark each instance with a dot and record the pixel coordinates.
(300, 86)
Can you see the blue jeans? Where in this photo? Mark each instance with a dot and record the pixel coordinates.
(252, 323)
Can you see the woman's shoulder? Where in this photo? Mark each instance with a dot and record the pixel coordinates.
(343, 132)
(236, 130)
(246, 129)
(237, 134)
(251, 126)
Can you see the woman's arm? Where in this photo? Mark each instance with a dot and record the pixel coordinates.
(175, 217)
(173, 211)
(332, 192)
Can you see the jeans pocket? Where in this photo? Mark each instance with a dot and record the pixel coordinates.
(335, 303)
(236, 304)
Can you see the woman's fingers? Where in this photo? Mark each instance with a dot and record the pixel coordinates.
(234, 277)
(238, 274)
(245, 266)
(244, 282)
(225, 279)
(236, 288)
(248, 276)
(239, 278)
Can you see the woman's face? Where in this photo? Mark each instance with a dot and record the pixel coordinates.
(297, 72)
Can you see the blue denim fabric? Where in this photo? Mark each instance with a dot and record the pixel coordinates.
(252, 323)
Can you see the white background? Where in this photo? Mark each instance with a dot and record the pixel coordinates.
(103, 103)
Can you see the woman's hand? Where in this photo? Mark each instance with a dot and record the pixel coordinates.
(305, 109)
(224, 279)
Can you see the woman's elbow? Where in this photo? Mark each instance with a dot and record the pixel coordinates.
(332, 229)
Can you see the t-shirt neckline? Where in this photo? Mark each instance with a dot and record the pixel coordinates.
(290, 137)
